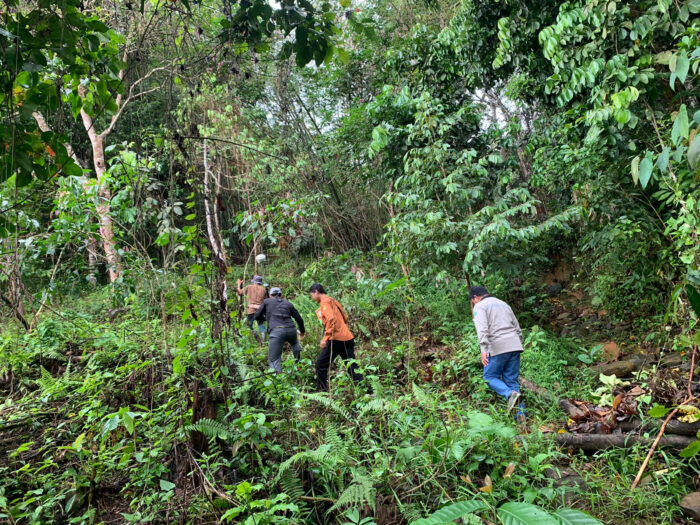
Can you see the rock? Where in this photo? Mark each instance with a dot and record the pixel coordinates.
(564, 477)
(691, 505)
(671, 360)
(618, 368)
(553, 290)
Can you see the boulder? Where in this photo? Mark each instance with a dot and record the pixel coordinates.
(553, 290)
(618, 368)
(691, 505)
(671, 360)
(570, 480)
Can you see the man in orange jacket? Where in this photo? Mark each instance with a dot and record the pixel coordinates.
(337, 338)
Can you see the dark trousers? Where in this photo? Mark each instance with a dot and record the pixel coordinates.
(344, 349)
(278, 336)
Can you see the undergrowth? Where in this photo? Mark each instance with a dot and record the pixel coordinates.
(132, 420)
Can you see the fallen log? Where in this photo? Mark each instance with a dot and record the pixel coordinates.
(674, 426)
(535, 388)
(571, 409)
(593, 442)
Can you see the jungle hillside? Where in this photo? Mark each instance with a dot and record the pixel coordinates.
(159, 156)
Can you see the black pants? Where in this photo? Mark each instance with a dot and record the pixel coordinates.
(344, 349)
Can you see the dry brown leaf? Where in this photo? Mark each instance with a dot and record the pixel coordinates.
(618, 399)
(636, 391)
(509, 470)
(611, 351)
(488, 485)
(466, 479)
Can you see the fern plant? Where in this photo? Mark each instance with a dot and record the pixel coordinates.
(329, 403)
(512, 513)
(213, 429)
(360, 492)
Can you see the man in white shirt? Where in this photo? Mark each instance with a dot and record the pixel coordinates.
(500, 339)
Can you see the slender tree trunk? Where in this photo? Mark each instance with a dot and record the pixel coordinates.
(104, 197)
(217, 248)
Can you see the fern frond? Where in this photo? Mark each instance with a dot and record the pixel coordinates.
(377, 405)
(411, 512)
(46, 382)
(213, 429)
(360, 492)
(321, 456)
(335, 440)
(292, 487)
(329, 403)
(423, 399)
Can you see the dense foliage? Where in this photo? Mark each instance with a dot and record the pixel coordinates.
(396, 151)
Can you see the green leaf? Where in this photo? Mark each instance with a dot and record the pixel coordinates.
(659, 411)
(682, 66)
(635, 169)
(575, 517)
(128, 420)
(645, 169)
(691, 450)
(166, 485)
(524, 514)
(344, 4)
(694, 152)
(392, 286)
(680, 125)
(693, 297)
(452, 512)
(662, 161)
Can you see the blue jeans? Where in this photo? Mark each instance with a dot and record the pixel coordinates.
(261, 327)
(502, 372)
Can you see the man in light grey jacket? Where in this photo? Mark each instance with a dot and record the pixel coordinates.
(500, 339)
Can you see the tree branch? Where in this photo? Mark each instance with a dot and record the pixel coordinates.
(132, 96)
(216, 139)
(44, 127)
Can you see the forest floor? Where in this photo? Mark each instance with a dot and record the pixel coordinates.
(139, 416)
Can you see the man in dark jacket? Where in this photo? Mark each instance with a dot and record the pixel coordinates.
(279, 313)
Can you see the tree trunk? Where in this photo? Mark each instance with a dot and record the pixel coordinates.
(104, 198)
(217, 249)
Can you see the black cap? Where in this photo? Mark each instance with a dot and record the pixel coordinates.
(477, 291)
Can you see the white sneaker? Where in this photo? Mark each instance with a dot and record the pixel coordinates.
(513, 400)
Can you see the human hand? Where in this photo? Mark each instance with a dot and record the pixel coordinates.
(239, 282)
(323, 345)
(484, 359)
(301, 336)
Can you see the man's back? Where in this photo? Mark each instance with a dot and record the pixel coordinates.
(280, 312)
(497, 327)
(255, 293)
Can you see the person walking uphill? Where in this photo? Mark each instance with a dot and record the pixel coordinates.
(500, 339)
(255, 293)
(337, 338)
(279, 313)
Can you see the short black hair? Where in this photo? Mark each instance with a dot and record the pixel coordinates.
(477, 291)
(317, 288)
